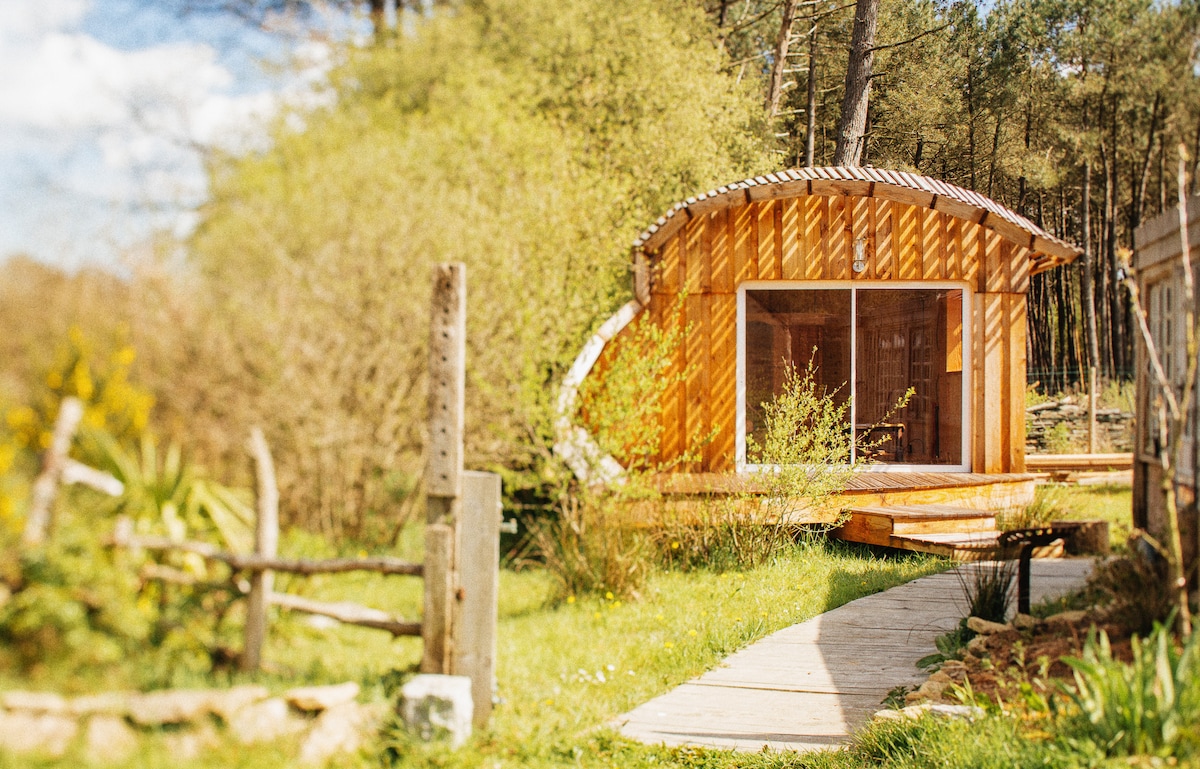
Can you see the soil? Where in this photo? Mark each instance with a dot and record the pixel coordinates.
(1035, 656)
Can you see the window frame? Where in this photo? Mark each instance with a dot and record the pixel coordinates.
(853, 286)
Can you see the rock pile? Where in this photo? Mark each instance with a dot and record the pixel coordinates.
(1044, 436)
(108, 727)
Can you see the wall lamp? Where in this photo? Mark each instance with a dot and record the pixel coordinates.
(860, 255)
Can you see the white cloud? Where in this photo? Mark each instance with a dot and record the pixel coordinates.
(88, 129)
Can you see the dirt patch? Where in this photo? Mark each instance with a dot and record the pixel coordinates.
(1013, 658)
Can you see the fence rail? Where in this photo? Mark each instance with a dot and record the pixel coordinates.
(462, 533)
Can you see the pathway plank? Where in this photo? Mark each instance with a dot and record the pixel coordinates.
(808, 686)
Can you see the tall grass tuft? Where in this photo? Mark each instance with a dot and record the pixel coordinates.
(1148, 707)
(987, 587)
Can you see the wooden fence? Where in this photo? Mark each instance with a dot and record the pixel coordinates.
(462, 533)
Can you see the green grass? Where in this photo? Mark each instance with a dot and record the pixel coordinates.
(566, 669)
(1112, 503)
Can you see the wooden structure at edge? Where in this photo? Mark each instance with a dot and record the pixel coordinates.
(1158, 263)
(803, 229)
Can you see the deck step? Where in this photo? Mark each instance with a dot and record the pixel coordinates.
(966, 546)
(879, 523)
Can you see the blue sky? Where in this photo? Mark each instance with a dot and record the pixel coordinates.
(106, 108)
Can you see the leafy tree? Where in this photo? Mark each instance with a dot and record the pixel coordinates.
(530, 140)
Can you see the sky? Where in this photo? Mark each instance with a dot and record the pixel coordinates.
(107, 108)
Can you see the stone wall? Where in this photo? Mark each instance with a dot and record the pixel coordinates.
(109, 727)
(1061, 427)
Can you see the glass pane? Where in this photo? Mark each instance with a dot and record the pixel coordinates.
(909, 338)
(791, 328)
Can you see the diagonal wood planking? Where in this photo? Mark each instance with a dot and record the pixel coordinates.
(808, 686)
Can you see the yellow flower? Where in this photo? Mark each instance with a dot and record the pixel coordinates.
(608, 595)
(668, 645)
(674, 545)
(125, 356)
(692, 633)
(570, 599)
(597, 615)
(617, 605)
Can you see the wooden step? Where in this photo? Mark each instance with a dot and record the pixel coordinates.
(875, 525)
(967, 546)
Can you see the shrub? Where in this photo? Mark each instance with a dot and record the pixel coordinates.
(1137, 591)
(1148, 707)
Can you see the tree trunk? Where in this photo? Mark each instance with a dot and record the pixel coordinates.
(1089, 303)
(810, 136)
(853, 122)
(782, 42)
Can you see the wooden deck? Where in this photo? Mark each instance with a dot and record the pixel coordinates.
(809, 686)
(951, 514)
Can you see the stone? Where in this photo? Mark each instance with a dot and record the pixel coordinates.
(109, 740)
(177, 706)
(965, 712)
(101, 704)
(266, 721)
(890, 714)
(1024, 622)
(983, 627)
(342, 728)
(317, 698)
(941, 677)
(1073, 617)
(955, 669)
(25, 732)
(932, 689)
(978, 646)
(225, 705)
(190, 744)
(34, 702)
(438, 707)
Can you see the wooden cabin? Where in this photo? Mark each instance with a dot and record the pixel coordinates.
(896, 280)
(1158, 264)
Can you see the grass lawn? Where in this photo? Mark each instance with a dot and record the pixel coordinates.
(1112, 503)
(566, 669)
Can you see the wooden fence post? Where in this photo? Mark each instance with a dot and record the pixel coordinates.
(45, 488)
(266, 544)
(474, 643)
(443, 473)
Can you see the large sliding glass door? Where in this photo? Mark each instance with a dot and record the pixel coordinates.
(869, 346)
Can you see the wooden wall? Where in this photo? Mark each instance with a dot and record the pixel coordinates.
(812, 238)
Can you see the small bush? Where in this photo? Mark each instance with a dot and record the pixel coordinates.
(1148, 707)
(1136, 589)
(589, 547)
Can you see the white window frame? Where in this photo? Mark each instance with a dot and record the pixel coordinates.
(853, 285)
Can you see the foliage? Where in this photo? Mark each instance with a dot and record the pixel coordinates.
(949, 646)
(1048, 505)
(805, 451)
(72, 611)
(1150, 706)
(111, 401)
(530, 141)
(622, 409)
(590, 547)
(1136, 590)
(167, 495)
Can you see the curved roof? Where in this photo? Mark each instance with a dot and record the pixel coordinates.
(912, 189)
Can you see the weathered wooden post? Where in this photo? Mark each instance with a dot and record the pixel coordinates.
(45, 488)
(266, 545)
(443, 473)
(474, 645)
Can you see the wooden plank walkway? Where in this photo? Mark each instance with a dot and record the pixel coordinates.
(809, 686)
